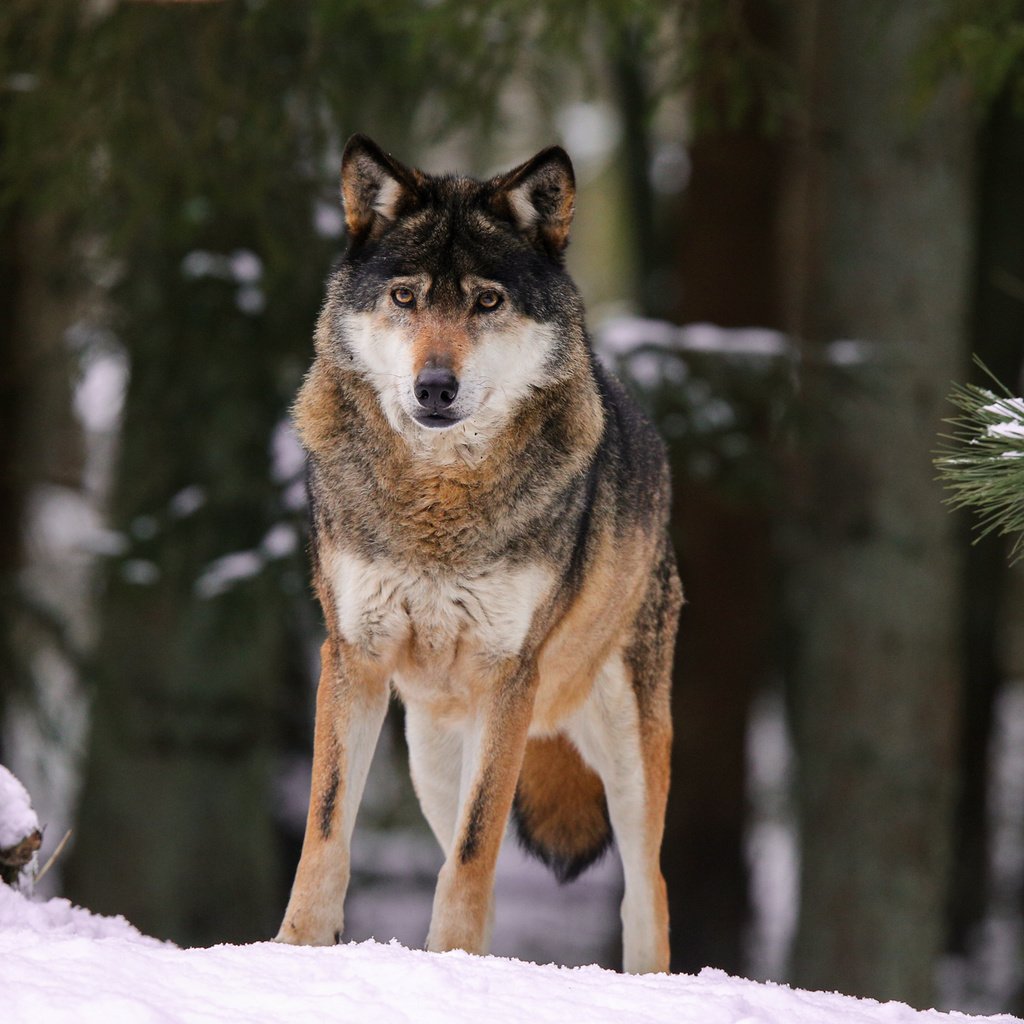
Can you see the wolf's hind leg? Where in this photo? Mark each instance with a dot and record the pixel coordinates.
(631, 755)
(492, 755)
(351, 701)
(435, 763)
(435, 760)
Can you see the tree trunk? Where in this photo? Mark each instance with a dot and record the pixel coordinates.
(727, 269)
(997, 336)
(725, 562)
(647, 242)
(880, 255)
(176, 822)
(44, 580)
(13, 484)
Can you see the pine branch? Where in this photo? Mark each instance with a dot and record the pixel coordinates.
(982, 461)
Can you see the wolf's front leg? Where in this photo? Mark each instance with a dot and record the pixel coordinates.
(492, 756)
(350, 704)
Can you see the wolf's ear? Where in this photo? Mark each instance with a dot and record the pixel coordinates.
(375, 188)
(539, 197)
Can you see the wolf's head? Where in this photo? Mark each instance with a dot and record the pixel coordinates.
(452, 300)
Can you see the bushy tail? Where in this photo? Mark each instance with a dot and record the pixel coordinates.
(560, 809)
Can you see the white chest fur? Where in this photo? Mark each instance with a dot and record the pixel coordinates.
(385, 609)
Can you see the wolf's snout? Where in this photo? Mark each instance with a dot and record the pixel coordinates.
(436, 388)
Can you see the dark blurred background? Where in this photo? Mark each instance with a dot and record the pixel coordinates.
(796, 222)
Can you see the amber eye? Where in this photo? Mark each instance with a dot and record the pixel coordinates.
(489, 300)
(402, 296)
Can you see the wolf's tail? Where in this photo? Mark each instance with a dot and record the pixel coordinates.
(560, 809)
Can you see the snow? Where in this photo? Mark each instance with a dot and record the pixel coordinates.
(590, 131)
(1012, 407)
(1005, 430)
(17, 819)
(1010, 413)
(772, 849)
(287, 459)
(59, 919)
(246, 267)
(222, 573)
(100, 392)
(621, 336)
(279, 541)
(328, 221)
(187, 501)
(288, 465)
(61, 964)
(849, 352)
(994, 966)
(241, 266)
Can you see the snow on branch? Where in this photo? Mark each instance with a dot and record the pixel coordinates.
(982, 461)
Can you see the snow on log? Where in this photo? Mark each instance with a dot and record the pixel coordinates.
(20, 836)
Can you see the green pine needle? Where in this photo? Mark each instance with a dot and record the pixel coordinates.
(982, 461)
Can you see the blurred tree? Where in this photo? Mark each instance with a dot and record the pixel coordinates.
(728, 270)
(983, 40)
(14, 485)
(997, 337)
(41, 454)
(41, 450)
(879, 243)
(206, 203)
(206, 127)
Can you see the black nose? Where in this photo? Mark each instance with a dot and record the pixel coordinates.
(436, 388)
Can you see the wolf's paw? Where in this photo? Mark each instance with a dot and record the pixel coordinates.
(292, 934)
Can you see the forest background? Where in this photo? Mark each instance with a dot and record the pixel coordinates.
(796, 223)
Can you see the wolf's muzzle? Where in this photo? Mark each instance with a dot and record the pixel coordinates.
(435, 390)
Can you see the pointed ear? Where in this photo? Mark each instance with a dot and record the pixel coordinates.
(375, 188)
(539, 197)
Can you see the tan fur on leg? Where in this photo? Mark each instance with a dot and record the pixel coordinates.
(462, 916)
(633, 765)
(350, 708)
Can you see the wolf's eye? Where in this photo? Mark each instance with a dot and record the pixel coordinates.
(402, 296)
(488, 300)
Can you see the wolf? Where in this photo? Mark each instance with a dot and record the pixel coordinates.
(489, 539)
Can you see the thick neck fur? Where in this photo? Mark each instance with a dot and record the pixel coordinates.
(453, 501)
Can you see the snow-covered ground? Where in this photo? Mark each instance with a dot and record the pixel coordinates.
(61, 964)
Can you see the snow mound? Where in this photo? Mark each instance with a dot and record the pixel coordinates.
(22, 917)
(61, 964)
(17, 819)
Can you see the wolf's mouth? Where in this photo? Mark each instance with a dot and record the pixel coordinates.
(436, 420)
